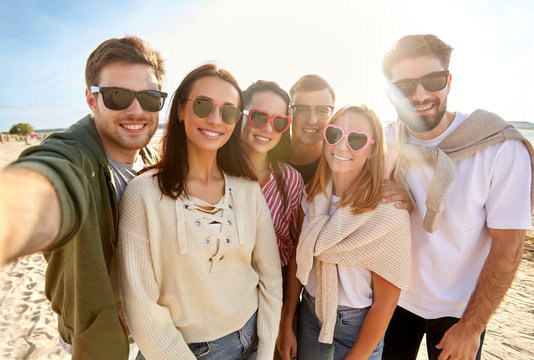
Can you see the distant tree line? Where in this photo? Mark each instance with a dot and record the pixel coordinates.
(22, 129)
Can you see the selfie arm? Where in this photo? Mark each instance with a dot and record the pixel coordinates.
(29, 212)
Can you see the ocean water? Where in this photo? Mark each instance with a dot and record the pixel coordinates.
(527, 129)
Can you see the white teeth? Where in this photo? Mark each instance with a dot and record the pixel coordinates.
(310, 131)
(423, 107)
(262, 138)
(133, 127)
(340, 158)
(211, 133)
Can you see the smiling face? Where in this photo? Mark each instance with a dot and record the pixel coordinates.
(424, 111)
(124, 132)
(262, 140)
(309, 130)
(209, 133)
(341, 159)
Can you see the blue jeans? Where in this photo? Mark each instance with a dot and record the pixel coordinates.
(406, 330)
(348, 326)
(239, 345)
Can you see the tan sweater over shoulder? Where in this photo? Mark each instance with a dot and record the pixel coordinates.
(185, 280)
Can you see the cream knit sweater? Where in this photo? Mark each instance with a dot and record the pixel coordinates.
(478, 131)
(184, 280)
(378, 240)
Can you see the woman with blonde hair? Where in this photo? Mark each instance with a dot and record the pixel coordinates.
(353, 251)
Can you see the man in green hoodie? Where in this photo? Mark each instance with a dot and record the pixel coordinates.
(61, 197)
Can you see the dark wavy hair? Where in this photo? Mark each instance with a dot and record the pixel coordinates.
(173, 167)
(282, 151)
(129, 49)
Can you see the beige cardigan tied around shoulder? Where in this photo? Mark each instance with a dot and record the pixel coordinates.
(378, 240)
(478, 131)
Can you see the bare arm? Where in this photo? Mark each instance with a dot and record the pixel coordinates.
(29, 212)
(287, 342)
(461, 341)
(385, 298)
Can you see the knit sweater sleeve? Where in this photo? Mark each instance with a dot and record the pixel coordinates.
(150, 324)
(266, 262)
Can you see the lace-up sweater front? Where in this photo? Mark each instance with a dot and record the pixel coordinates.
(192, 275)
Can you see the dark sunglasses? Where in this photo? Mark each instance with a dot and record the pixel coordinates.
(322, 112)
(116, 98)
(203, 107)
(258, 118)
(431, 82)
(356, 140)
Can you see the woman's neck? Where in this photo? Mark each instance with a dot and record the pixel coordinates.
(260, 163)
(205, 180)
(341, 183)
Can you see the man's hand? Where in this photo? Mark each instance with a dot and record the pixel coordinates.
(29, 212)
(459, 343)
(392, 191)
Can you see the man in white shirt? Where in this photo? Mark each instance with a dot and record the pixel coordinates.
(472, 206)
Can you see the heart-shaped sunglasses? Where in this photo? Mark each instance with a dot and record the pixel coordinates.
(356, 140)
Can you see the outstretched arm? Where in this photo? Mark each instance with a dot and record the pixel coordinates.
(29, 212)
(462, 340)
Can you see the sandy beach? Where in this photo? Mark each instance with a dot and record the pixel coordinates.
(28, 327)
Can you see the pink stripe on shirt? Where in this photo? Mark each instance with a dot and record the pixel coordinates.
(285, 227)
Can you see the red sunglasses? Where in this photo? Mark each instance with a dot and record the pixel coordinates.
(258, 118)
(356, 140)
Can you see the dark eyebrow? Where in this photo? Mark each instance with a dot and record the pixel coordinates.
(213, 101)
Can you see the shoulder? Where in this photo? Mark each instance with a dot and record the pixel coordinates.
(241, 186)
(289, 172)
(291, 176)
(390, 213)
(143, 184)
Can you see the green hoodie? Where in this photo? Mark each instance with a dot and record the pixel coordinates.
(77, 276)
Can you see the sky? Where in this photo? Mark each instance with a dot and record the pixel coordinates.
(44, 46)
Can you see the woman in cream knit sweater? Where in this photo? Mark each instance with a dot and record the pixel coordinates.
(353, 251)
(200, 270)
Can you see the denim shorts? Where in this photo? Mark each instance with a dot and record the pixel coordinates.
(348, 325)
(239, 345)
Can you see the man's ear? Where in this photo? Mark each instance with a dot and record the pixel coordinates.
(449, 79)
(91, 100)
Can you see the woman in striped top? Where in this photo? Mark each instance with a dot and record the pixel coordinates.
(266, 143)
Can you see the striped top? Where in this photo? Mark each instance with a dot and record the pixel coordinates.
(285, 225)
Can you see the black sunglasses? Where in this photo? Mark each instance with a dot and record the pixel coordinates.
(432, 82)
(203, 107)
(117, 98)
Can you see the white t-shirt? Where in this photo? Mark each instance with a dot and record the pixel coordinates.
(354, 282)
(491, 190)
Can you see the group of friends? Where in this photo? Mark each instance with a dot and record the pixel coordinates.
(269, 224)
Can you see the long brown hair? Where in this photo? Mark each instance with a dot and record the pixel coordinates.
(365, 193)
(282, 151)
(173, 167)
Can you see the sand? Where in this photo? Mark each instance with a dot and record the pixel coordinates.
(28, 327)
